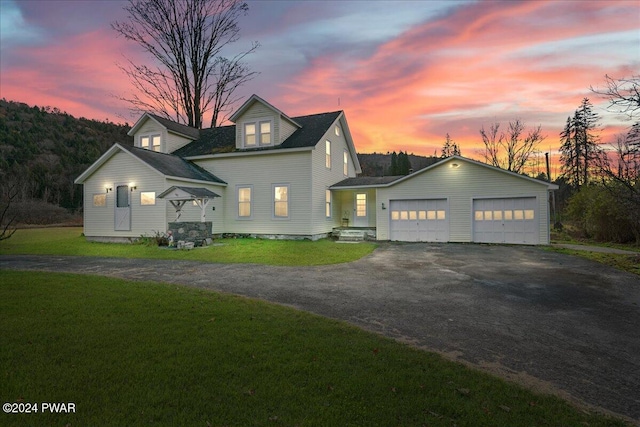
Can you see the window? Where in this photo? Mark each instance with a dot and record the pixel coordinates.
(122, 196)
(100, 200)
(150, 142)
(337, 130)
(258, 133)
(244, 202)
(249, 134)
(281, 201)
(345, 163)
(327, 203)
(361, 205)
(148, 198)
(327, 161)
(265, 133)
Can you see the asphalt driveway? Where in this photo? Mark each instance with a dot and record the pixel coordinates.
(554, 322)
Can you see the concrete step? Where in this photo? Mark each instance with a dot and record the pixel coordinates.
(352, 235)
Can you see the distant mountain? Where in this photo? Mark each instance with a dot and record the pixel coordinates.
(42, 150)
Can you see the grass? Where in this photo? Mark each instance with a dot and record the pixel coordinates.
(624, 262)
(629, 263)
(135, 353)
(69, 241)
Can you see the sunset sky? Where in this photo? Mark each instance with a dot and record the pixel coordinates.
(406, 73)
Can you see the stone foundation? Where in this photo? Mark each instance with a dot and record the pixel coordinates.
(199, 233)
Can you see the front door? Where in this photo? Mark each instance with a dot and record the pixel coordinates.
(123, 209)
(360, 214)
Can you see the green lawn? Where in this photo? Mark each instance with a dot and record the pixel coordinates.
(132, 353)
(69, 241)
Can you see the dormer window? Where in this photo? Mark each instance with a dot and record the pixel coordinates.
(258, 133)
(150, 142)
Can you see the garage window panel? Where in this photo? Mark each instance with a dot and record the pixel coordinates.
(404, 215)
(395, 215)
(413, 215)
(422, 215)
(441, 214)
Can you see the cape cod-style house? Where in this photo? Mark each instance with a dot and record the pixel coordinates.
(275, 176)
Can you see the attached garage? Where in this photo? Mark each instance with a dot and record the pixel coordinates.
(506, 220)
(419, 220)
(455, 200)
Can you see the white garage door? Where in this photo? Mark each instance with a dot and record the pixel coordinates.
(419, 220)
(505, 221)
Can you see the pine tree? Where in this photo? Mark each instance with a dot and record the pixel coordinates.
(393, 170)
(450, 148)
(579, 144)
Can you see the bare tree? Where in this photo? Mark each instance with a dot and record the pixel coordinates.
(186, 38)
(623, 94)
(6, 219)
(510, 150)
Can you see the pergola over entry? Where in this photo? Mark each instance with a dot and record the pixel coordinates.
(178, 196)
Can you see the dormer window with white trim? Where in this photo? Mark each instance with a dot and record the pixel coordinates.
(258, 133)
(150, 142)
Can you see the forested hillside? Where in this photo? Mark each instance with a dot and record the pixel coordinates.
(42, 150)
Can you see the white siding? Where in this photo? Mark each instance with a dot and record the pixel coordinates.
(322, 178)
(257, 111)
(286, 129)
(123, 168)
(460, 186)
(175, 142)
(261, 170)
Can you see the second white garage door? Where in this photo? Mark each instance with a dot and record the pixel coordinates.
(419, 220)
(512, 220)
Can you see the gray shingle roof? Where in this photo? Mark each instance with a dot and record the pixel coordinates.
(367, 180)
(223, 139)
(195, 192)
(171, 165)
(192, 133)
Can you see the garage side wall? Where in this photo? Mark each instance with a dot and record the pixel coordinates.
(460, 186)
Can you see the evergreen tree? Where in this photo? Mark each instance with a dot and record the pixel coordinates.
(393, 170)
(404, 165)
(450, 148)
(579, 144)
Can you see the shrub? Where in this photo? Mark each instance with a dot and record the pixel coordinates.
(599, 215)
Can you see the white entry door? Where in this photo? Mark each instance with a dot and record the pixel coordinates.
(419, 220)
(360, 211)
(513, 220)
(123, 209)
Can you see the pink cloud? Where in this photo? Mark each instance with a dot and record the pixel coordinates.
(486, 61)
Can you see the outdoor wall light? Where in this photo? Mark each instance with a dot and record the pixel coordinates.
(108, 189)
(455, 165)
(132, 186)
(383, 206)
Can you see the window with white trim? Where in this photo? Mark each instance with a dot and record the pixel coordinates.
(100, 200)
(337, 130)
(147, 198)
(327, 203)
(258, 133)
(150, 142)
(327, 157)
(281, 201)
(244, 201)
(345, 163)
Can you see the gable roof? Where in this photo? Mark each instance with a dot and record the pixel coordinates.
(223, 139)
(187, 193)
(392, 180)
(255, 98)
(168, 165)
(169, 125)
